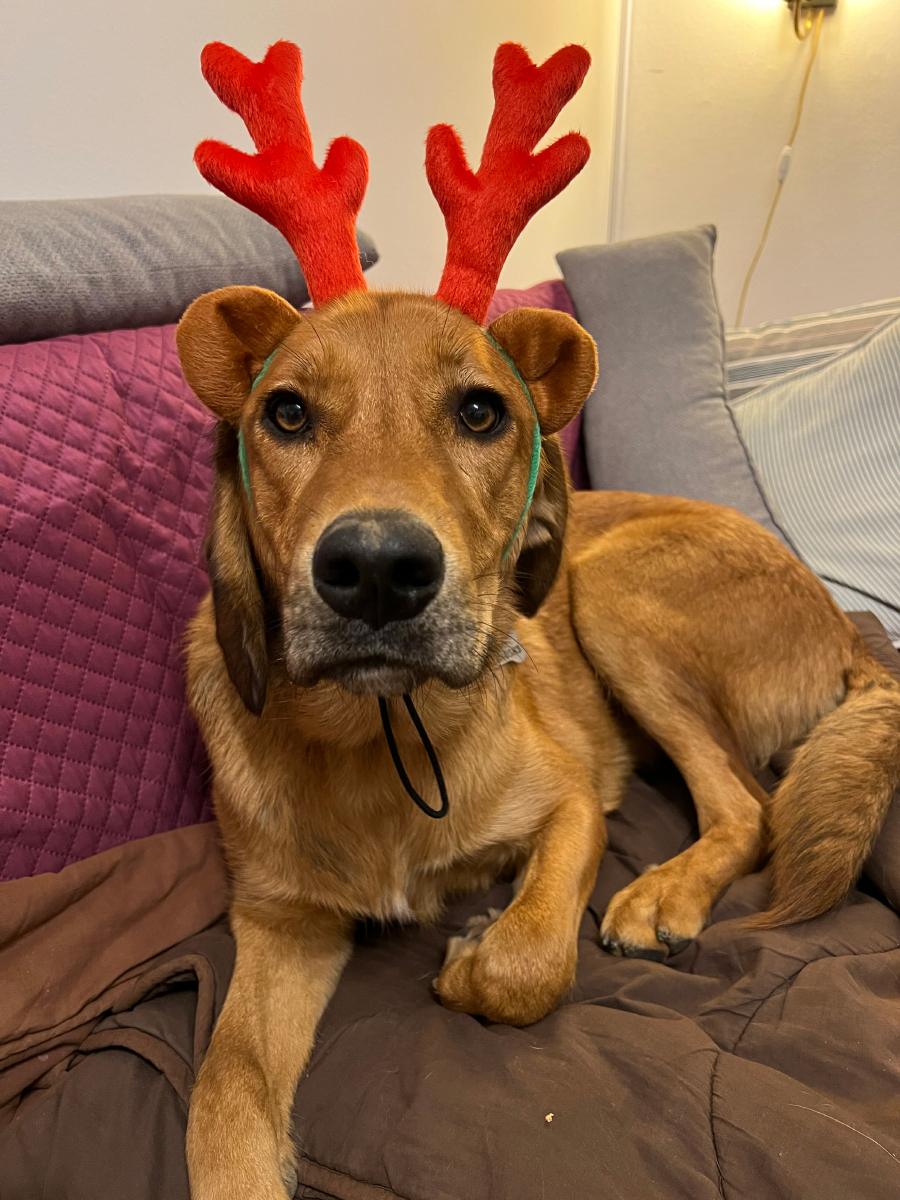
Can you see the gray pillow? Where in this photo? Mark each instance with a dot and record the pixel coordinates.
(76, 266)
(657, 421)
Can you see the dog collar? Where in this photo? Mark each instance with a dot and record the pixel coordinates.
(513, 651)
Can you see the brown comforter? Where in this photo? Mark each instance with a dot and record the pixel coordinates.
(763, 1065)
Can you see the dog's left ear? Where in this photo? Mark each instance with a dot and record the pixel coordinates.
(558, 361)
(555, 357)
(538, 560)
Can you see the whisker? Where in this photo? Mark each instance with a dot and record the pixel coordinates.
(312, 325)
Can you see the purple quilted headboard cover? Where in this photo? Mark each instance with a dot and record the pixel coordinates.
(104, 483)
(105, 472)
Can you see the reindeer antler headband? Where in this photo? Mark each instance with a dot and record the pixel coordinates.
(315, 208)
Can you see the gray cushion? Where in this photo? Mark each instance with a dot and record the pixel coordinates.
(77, 266)
(657, 421)
(826, 444)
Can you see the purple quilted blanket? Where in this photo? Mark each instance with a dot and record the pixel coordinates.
(105, 471)
(104, 483)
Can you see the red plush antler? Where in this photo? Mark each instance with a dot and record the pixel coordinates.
(486, 211)
(314, 209)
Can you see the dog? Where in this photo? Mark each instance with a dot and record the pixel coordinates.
(367, 491)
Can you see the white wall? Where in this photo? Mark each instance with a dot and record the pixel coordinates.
(106, 98)
(711, 101)
(103, 98)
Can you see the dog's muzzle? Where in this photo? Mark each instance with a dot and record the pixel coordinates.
(382, 610)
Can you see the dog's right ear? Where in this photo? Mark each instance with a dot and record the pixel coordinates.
(223, 340)
(237, 586)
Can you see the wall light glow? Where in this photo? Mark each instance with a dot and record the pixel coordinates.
(763, 5)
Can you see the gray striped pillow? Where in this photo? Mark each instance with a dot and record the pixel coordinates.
(826, 445)
(763, 354)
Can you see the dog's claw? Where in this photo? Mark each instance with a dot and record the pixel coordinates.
(655, 916)
(469, 937)
(628, 950)
(643, 952)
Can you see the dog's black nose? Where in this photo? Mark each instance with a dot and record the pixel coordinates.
(378, 566)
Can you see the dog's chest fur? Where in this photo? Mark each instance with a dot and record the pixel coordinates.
(311, 807)
(333, 826)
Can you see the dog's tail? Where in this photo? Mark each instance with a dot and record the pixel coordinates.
(830, 805)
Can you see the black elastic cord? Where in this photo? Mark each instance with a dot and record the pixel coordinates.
(429, 750)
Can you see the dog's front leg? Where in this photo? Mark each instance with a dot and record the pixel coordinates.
(522, 965)
(288, 964)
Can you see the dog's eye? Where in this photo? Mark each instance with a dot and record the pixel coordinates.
(481, 411)
(287, 412)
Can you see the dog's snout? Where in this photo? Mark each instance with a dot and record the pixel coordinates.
(378, 567)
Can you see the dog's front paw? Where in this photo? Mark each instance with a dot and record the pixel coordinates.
(504, 970)
(656, 915)
(469, 937)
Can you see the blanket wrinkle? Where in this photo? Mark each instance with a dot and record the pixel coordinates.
(157, 1053)
(720, 1178)
(96, 939)
(358, 1189)
(754, 1000)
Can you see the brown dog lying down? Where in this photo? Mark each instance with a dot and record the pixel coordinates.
(356, 551)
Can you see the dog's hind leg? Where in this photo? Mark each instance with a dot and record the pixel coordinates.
(239, 1140)
(668, 905)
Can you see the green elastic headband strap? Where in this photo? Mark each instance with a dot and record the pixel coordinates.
(242, 449)
(535, 449)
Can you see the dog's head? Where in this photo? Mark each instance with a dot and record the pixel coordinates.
(371, 480)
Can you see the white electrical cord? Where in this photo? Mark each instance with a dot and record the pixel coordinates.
(616, 209)
(797, 8)
(784, 159)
